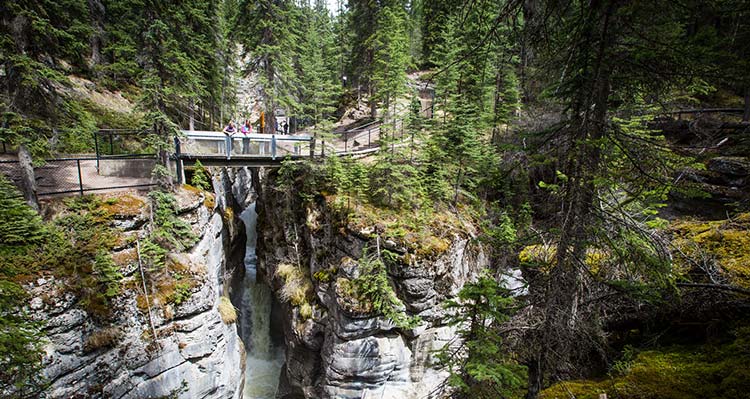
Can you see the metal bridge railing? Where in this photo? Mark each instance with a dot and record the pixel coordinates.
(196, 142)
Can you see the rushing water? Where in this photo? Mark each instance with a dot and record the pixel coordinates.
(264, 360)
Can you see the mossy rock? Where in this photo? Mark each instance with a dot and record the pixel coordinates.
(673, 373)
(727, 241)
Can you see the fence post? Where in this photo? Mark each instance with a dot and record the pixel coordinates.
(273, 146)
(368, 136)
(80, 179)
(346, 139)
(178, 161)
(96, 147)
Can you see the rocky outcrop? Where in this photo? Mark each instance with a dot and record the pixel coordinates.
(342, 351)
(195, 355)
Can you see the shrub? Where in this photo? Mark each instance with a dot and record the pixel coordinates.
(305, 311)
(21, 237)
(200, 177)
(374, 287)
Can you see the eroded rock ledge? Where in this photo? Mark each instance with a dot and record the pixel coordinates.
(337, 351)
(196, 355)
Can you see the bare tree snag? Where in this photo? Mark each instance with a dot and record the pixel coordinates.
(28, 179)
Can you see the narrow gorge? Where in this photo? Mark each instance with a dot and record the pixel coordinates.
(305, 336)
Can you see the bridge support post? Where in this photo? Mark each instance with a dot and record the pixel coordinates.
(273, 147)
(179, 167)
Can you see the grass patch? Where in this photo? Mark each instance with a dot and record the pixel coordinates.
(297, 287)
(104, 338)
(425, 233)
(227, 311)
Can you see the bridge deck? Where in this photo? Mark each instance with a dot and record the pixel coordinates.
(236, 160)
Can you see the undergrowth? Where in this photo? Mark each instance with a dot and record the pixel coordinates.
(169, 280)
(372, 292)
(22, 235)
(676, 372)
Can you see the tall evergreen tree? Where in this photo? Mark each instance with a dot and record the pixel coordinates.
(603, 57)
(35, 38)
(264, 30)
(317, 64)
(389, 46)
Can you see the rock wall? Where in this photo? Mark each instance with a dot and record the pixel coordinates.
(341, 353)
(196, 354)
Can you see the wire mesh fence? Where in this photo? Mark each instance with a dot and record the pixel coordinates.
(83, 175)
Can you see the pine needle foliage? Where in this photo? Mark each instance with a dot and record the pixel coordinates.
(21, 233)
(374, 286)
(200, 176)
(478, 362)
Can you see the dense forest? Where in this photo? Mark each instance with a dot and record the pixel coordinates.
(555, 127)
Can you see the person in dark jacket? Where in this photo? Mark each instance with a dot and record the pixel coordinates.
(229, 131)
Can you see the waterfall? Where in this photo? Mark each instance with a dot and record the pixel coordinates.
(264, 361)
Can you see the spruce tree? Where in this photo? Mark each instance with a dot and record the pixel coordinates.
(264, 28)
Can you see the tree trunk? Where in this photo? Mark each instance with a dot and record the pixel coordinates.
(746, 114)
(373, 105)
(561, 337)
(28, 179)
(535, 377)
(96, 10)
(269, 100)
(191, 120)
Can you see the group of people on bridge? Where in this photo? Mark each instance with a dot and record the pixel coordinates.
(246, 128)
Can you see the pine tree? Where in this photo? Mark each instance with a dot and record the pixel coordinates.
(389, 46)
(35, 36)
(264, 28)
(480, 366)
(319, 85)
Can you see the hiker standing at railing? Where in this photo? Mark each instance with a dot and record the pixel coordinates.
(246, 129)
(229, 131)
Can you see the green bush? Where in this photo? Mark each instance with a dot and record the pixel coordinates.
(200, 177)
(374, 286)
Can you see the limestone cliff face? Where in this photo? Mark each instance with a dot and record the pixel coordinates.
(196, 355)
(340, 352)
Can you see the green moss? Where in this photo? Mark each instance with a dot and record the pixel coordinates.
(325, 275)
(542, 257)
(727, 241)
(672, 373)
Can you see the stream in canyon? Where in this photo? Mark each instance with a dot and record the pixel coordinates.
(264, 357)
